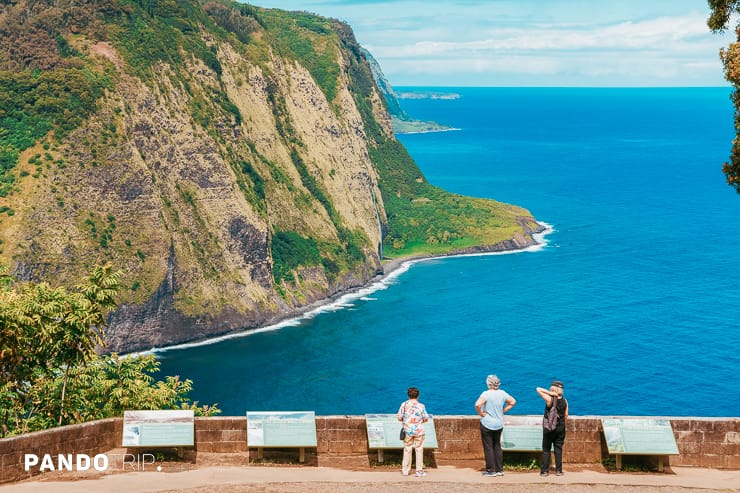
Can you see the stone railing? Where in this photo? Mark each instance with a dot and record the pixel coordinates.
(342, 442)
(92, 438)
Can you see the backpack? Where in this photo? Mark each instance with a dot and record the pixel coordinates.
(550, 419)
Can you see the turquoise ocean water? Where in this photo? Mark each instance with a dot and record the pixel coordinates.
(633, 301)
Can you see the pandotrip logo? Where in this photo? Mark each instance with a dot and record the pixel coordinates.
(84, 462)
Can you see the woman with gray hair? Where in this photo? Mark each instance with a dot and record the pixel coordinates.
(491, 406)
(555, 438)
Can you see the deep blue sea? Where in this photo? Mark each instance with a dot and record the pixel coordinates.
(633, 302)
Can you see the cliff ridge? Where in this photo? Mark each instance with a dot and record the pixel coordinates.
(238, 163)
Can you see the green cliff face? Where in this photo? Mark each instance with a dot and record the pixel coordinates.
(237, 162)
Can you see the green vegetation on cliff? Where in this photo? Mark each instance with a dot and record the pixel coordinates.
(33, 103)
(309, 39)
(423, 219)
(236, 162)
(426, 220)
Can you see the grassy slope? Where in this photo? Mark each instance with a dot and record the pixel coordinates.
(421, 218)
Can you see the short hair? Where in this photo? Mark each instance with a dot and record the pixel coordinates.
(493, 382)
(413, 392)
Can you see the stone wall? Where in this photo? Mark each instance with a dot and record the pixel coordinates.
(224, 435)
(342, 442)
(707, 442)
(95, 437)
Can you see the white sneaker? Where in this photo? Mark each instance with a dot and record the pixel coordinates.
(420, 474)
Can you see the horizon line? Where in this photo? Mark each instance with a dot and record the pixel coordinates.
(507, 86)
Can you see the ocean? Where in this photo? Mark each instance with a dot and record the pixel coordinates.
(632, 300)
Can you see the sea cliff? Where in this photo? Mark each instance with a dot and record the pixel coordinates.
(237, 163)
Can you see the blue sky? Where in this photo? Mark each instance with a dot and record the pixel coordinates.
(533, 42)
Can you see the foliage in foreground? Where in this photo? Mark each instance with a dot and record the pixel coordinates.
(719, 21)
(50, 374)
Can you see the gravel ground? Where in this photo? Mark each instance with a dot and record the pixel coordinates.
(443, 479)
(323, 487)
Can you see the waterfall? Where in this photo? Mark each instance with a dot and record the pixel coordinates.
(380, 226)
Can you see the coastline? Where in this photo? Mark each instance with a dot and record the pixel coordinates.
(392, 268)
(538, 237)
(449, 129)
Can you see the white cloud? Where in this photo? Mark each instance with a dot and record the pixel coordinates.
(516, 64)
(674, 50)
(629, 42)
(663, 34)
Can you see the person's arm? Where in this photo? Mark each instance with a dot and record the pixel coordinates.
(566, 410)
(511, 403)
(545, 394)
(479, 405)
(401, 412)
(424, 415)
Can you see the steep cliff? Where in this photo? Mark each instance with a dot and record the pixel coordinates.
(237, 163)
(402, 122)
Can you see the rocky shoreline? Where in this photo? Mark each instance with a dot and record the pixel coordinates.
(529, 238)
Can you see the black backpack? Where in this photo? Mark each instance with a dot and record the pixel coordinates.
(550, 419)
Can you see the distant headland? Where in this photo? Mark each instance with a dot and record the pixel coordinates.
(427, 95)
(402, 122)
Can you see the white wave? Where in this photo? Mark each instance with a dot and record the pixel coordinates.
(292, 322)
(345, 301)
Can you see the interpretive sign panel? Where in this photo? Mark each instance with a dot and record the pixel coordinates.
(281, 429)
(522, 434)
(383, 431)
(639, 436)
(169, 428)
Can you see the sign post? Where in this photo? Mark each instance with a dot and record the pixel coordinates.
(290, 429)
(639, 436)
(165, 428)
(522, 434)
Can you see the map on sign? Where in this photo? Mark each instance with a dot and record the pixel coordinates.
(383, 431)
(170, 428)
(639, 436)
(522, 433)
(281, 429)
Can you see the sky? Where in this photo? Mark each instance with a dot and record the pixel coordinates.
(592, 43)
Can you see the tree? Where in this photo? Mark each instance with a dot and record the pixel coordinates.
(719, 21)
(81, 328)
(50, 373)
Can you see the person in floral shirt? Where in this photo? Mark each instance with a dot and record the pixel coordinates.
(413, 414)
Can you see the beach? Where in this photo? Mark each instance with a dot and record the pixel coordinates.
(391, 268)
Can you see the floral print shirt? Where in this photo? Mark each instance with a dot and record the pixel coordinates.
(413, 414)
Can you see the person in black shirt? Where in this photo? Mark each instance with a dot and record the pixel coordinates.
(555, 438)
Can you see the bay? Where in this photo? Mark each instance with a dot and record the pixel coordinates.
(633, 301)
